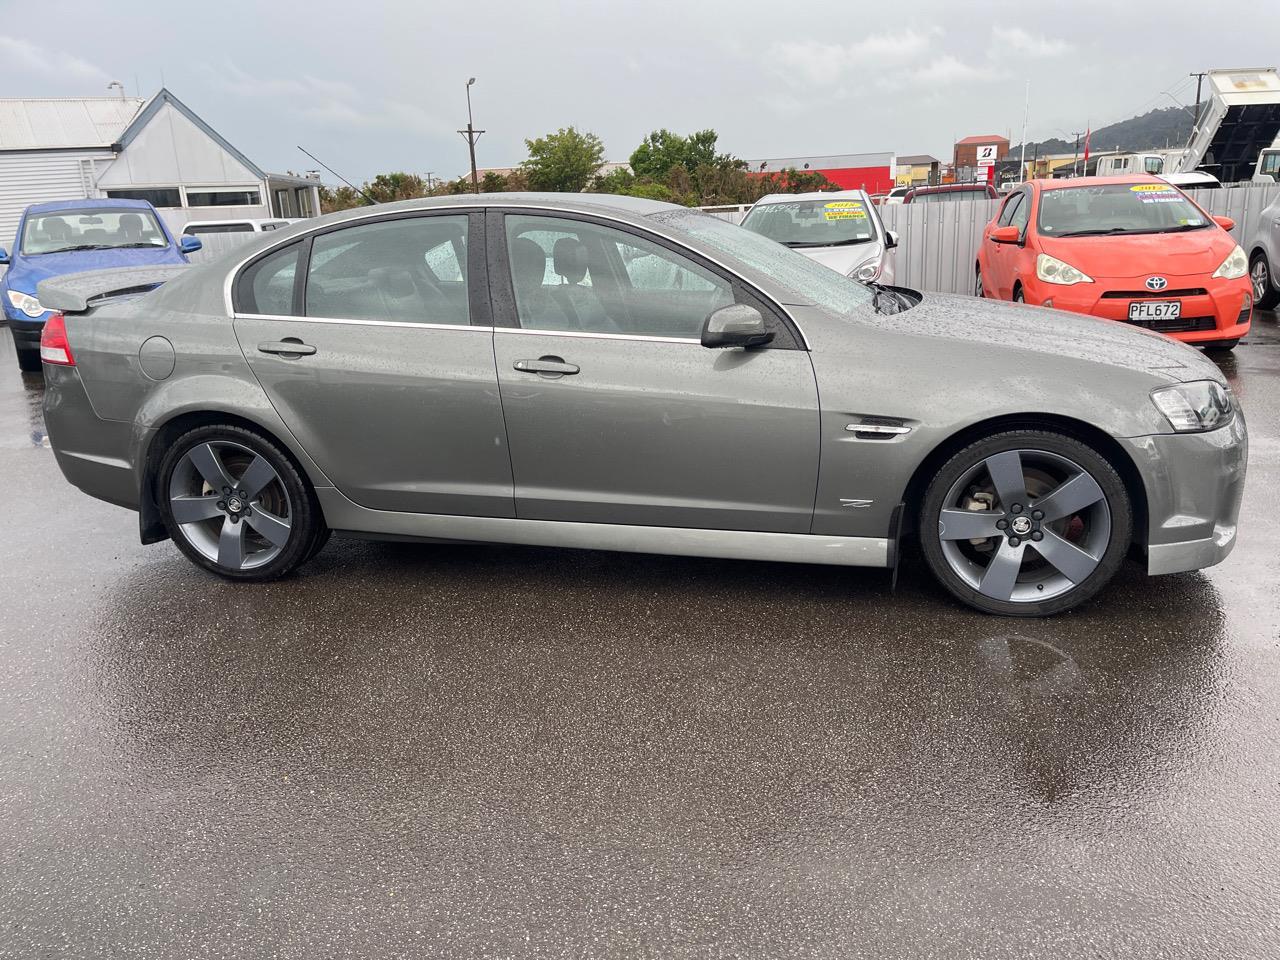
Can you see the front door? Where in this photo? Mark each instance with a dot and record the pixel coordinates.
(391, 389)
(614, 411)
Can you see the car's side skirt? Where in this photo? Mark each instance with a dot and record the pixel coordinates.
(352, 520)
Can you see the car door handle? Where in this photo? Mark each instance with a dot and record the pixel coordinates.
(547, 365)
(288, 347)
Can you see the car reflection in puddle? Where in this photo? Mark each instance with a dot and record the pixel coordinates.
(33, 394)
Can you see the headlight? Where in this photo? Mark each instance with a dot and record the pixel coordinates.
(867, 270)
(1234, 267)
(26, 303)
(1194, 407)
(1052, 270)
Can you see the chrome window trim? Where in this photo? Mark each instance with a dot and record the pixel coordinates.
(362, 323)
(583, 334)
(601, 212)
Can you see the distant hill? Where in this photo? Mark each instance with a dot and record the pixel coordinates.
(1170, 126)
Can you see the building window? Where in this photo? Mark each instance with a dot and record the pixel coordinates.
(282, 204)
(219, 197)
(156, 196)
(304, 202)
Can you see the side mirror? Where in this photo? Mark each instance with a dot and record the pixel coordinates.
(188, 244)
(1226, 223)
(890, 239)
(4, 255)
(737, 325)
(1006, 235)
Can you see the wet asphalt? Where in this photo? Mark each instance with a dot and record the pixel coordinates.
(480, 751)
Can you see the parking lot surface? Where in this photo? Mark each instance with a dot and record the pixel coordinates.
(413, 750)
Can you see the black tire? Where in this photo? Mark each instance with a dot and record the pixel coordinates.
(1109, 521)
(1017, 294)
(307, 532)
(978, 289)
(1221, 346)
(1270, 296)
(29, 361)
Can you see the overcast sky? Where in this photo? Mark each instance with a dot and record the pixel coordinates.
(373, 86)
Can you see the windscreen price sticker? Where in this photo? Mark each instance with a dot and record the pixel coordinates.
(844, 210)
(1155, 193)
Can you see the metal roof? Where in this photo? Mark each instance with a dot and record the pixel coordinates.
(917, 159)
(46, 124)
(989, 138)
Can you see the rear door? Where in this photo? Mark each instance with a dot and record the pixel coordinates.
(616, 413)
(373, 340)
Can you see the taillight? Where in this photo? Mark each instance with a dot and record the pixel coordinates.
(54, 347)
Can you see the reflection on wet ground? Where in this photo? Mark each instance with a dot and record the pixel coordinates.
(492, 751)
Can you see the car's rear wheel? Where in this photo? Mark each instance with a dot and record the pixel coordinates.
(1265, 295)
(236, 504)
(978, 290)
(1017, 295)
(29, 360)
(1025, 523)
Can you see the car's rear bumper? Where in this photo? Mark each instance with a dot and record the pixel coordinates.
(1217, 310)
(90, 451)
(1194, 483)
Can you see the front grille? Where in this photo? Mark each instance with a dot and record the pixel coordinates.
(1154, 294)
(1180, 325)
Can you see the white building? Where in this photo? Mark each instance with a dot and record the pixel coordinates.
(156, 150)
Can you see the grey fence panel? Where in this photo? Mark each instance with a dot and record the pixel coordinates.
(937, 242)
(1244, 205)
(214, 245)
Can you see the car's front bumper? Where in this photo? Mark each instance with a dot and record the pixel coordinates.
(1194, 483)
(1217, 310)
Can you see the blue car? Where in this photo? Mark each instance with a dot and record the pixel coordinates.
(72, 236)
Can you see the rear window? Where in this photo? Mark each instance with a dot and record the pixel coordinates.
(945, 196)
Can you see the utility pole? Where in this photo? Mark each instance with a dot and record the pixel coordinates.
(1075, 162)
(1026, 114)
(1199, 80)
(472, 135)
(430, 176)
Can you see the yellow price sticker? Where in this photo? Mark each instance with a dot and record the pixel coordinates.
(1151, 188)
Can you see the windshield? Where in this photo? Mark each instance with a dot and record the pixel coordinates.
(1117, 209)
(806, 280)
(93, 229)
(812, 223)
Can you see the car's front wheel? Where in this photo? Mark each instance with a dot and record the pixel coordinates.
(236, 504)
(978, 290)
(1265, 295)
(1025, 523)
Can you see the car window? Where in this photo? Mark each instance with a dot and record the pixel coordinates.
(266, 287)
(1021, 213)
(1149, 207)
(407, 270)
(1010, 205)
(91, 228)
(571, 275)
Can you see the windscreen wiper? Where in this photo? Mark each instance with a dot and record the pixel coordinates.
(81, 246)
(1183, 226)
(1097, 233)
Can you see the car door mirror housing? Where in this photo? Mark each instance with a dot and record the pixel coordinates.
(890, 239)
(189, 244)
(1226, 223)
(737, 325)
(1006, 235)
(4, 255)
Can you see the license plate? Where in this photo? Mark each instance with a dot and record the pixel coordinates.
(1155, 310)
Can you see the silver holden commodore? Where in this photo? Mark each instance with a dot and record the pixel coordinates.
(618, 374)
(840, 230)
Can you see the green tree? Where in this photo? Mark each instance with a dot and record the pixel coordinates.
(342, 198)
(493, 182)
(564, 161)
(386, 187)
(662, 150)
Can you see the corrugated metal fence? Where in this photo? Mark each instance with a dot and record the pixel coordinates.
(938, 242)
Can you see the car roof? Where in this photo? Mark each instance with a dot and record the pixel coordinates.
(948, 187)
(106, 204)
(818, 195)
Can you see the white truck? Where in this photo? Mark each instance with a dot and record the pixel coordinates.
(1239, 125)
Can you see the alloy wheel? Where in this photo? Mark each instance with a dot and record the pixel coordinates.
(1261, 281)
(1023, 526)
(230, 505)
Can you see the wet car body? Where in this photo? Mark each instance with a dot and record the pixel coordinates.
(503, 430)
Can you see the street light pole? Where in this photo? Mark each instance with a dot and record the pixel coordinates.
(472, 135)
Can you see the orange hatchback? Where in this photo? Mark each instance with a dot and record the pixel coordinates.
(1134, 250)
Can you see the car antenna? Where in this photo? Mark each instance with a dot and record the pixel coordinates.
(339, 176)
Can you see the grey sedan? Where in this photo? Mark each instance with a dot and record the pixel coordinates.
(611, 373)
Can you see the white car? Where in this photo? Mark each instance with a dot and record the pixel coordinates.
(840, 230)
(895, 195)
(1264, 258)
(202, 228)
